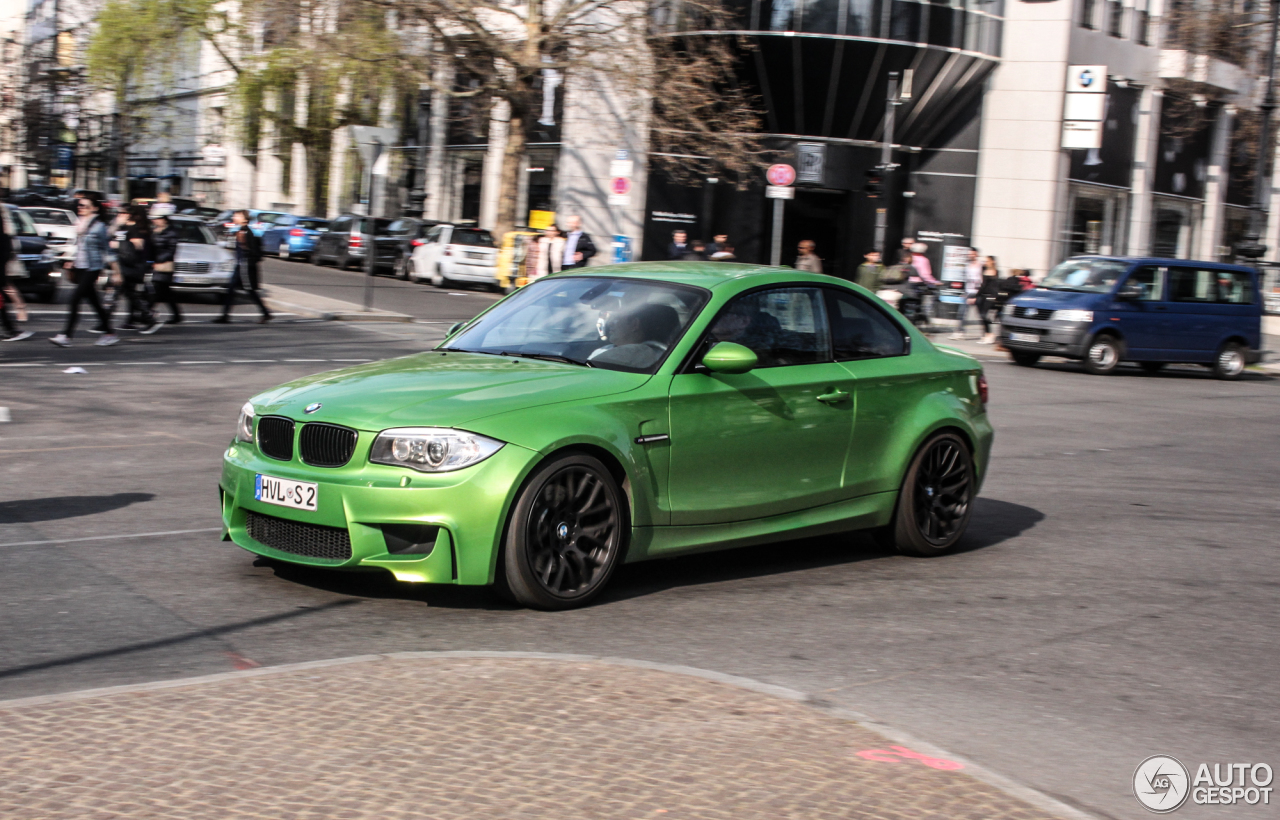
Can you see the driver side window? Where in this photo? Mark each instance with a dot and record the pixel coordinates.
(1151, 281)
(782, 326)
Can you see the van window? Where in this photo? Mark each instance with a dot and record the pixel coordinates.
(1151, 280)
(1210, 286)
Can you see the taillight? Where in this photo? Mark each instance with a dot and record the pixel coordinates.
(356, 241)
(297, 232)
(417, 242)
(448, 251)
(982, 388)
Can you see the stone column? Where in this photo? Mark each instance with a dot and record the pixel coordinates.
(1146, 143)
(1215, 188)
(491, 176)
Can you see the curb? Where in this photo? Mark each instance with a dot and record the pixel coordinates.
(338, 316)
(1013, 788)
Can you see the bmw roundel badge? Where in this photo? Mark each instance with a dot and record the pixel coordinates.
(311, 408)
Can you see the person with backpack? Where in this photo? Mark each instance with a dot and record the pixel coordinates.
(85, 268)
(164, 242)
(248, 250)
(132, 244)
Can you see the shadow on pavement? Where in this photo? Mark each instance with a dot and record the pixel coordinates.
(993, 522)
(32, 510)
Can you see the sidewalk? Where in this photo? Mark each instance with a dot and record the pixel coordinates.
(429, 735)
(288, 300)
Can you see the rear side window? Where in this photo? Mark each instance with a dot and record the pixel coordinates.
(1151, 280)
(313, 224)
(470, 236)
(1210, 286)
(341, 225)
(401, 227)
(860, 331)
(433, 235)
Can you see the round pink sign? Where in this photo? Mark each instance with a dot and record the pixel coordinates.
(780, 174)
(621, 185)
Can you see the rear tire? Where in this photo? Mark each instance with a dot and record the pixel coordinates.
(283, 250)
(1152, 368)
(567, 534)
(440, 281)
(1230, 362)
(936, 499)
(1023, 358)
(1103, 356)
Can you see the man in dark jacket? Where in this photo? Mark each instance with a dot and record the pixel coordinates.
(248, 251)
(578, 247)
(164, 247)
(10, 330)
(679, 245)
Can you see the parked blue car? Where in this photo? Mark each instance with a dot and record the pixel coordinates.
(1105, 310)
(293, 235)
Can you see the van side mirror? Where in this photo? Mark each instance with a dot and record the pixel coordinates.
(728, 357)
(1129, 292)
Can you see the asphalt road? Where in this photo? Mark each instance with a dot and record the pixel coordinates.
(1115, 597)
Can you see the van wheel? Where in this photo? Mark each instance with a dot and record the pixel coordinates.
(1152, 368)
(1023, 358)
(567, 534)
(1103, 356)
(936, 498)
(1229, 363)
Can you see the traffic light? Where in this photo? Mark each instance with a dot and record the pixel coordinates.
(874, 186)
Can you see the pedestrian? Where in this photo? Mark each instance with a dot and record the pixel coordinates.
(248, 250)
(972, 283)
(922, 264)
(723, 251)
(7, 254)
(132, 244)
(679, 245)
(988, 294)
(164, 241)
(92, 244)
(550, 255)
(696, 252)
(578, 247)
(807, 260)
(870, 272)
(896, 281)
(718, 243)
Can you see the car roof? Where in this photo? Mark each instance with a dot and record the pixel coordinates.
(1162, 261)
(705, 274)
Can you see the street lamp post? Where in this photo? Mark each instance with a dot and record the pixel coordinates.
(1252, 247)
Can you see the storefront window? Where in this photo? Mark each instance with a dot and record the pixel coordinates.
(1173, 225)
(864, 18)
(905, 22)
(1098, 219)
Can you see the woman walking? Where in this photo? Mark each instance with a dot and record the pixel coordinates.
(85, 268)
(248, 251)
(988, 293)
(550, 253)
(164, 241)
(132, 245)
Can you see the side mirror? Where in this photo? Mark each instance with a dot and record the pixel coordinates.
(727, 357)
(454, 328)
(1129, 291)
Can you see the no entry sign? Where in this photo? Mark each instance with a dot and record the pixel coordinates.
(780, 174)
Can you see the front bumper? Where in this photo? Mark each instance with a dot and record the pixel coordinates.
(1065, 339)
(469, 506)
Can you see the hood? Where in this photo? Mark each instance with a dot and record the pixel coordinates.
(439, 390)
(191, 252)
(1060, 299)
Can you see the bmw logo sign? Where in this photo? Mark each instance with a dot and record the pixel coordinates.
(1086, 78)
(311, 408)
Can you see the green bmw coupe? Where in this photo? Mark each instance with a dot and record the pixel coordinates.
(617, 414)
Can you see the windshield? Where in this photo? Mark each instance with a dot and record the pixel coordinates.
(1085, 275)
(192, 233)
(617, 324)
(49, 216)
(471, 236)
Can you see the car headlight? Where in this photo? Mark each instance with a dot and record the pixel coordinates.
(244, 425)
(1008, 310)
(1073, 315)
(431, 449)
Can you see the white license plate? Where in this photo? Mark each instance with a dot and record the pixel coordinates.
(1024, 337)
(190, 279)
(284, 492)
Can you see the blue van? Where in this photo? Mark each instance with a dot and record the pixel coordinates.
(1104, 310)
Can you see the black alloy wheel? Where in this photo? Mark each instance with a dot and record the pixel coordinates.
(936, 498)
(566, 536)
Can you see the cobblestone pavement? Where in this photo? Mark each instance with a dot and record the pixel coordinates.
(466, 738)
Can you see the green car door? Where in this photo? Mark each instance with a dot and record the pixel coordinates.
(769, 441)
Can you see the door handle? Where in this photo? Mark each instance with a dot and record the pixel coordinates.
(834, 397)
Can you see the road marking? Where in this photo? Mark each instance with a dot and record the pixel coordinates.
(351, 360)
(26, 364)
(306, 360)
(110, 537)
(209, 362)
(253, 361)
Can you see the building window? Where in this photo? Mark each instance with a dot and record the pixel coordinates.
(1086, 13)
(1115, 13)
(1142, 27)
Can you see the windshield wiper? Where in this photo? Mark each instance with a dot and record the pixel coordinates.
(549, 357)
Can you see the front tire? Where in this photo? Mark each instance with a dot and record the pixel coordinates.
(936, 500)
(567, 534)
(1152, 368)
(1230, 362)
(1103, 356)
